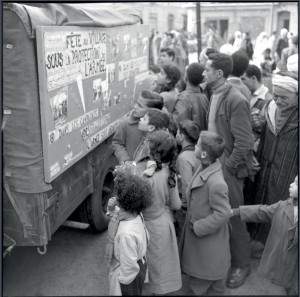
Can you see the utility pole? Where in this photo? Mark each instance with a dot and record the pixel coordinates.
(271, 23)
(198, 27)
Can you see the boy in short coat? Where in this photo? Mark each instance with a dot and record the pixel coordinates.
(204, 244)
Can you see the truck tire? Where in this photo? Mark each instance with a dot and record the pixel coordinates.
(93, 209)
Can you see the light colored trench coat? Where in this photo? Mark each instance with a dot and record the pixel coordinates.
(204, 251)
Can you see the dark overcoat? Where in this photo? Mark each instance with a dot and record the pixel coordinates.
(278, 158)
(234, 125)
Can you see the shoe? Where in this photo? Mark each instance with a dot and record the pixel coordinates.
(237, 276)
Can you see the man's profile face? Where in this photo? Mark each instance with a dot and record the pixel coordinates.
(210, 74)
(165, 58)
(249, 82)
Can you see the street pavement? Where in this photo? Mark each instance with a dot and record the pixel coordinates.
(74, 266)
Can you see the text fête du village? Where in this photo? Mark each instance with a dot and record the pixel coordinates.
(86, 47)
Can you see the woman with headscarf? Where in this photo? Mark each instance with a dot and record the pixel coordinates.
(278, 152)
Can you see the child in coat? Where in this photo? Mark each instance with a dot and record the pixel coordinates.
(127, 234)
(186, 164)
(204, 244)
(279, 261)
(127, 136)
(162, 253)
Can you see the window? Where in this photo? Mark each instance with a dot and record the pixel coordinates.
(184, 25)
(170, 22)
(284, 20)
(286, 24)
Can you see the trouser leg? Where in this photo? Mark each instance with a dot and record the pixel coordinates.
(217, 288)
(180, 218)
(239, 236)
(199, 286)
(135, 288)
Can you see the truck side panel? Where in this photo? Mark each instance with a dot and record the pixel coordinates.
(22, 140)
(31, 208)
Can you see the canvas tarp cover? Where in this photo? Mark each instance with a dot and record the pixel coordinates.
(22, 137)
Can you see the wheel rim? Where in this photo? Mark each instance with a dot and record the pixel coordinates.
(107, 189)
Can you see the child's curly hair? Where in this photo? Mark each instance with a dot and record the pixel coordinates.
(163, 149)
(134, 193)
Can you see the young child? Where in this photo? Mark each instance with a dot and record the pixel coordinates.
(127, 234)
(127, 136)
(186, 164)
(204, 244)
(191, 104)
(279, 261)
(162, 253)
(153, 120)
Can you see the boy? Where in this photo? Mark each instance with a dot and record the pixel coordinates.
(186, 164)
(280, 256)
(167, 80)
(154, 119)
(127, 136)
(191, 104)
(204, 244)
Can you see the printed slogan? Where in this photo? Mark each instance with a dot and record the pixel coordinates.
(72, 54)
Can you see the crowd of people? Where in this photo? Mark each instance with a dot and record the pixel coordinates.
(268, 53)
(207, 177)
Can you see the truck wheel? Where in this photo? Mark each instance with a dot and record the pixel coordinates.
(93, 209)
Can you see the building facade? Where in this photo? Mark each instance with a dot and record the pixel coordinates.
(255, 18)
(226, 17)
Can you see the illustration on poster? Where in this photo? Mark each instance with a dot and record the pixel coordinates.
(145, 45)
(59, 106)
(115, 42)
(80, 89)
(106, 100)
(133, 47)
(111, 72)
(126, 42)
(97, 90)
(117, 98)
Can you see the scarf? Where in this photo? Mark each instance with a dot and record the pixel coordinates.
(113, 226)
(281, 118)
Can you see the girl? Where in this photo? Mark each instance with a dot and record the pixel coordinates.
(162, 252)
(127, 235)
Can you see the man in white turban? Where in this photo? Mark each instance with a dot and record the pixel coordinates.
(278, 156)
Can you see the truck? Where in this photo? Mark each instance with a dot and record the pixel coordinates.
(70, 73)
